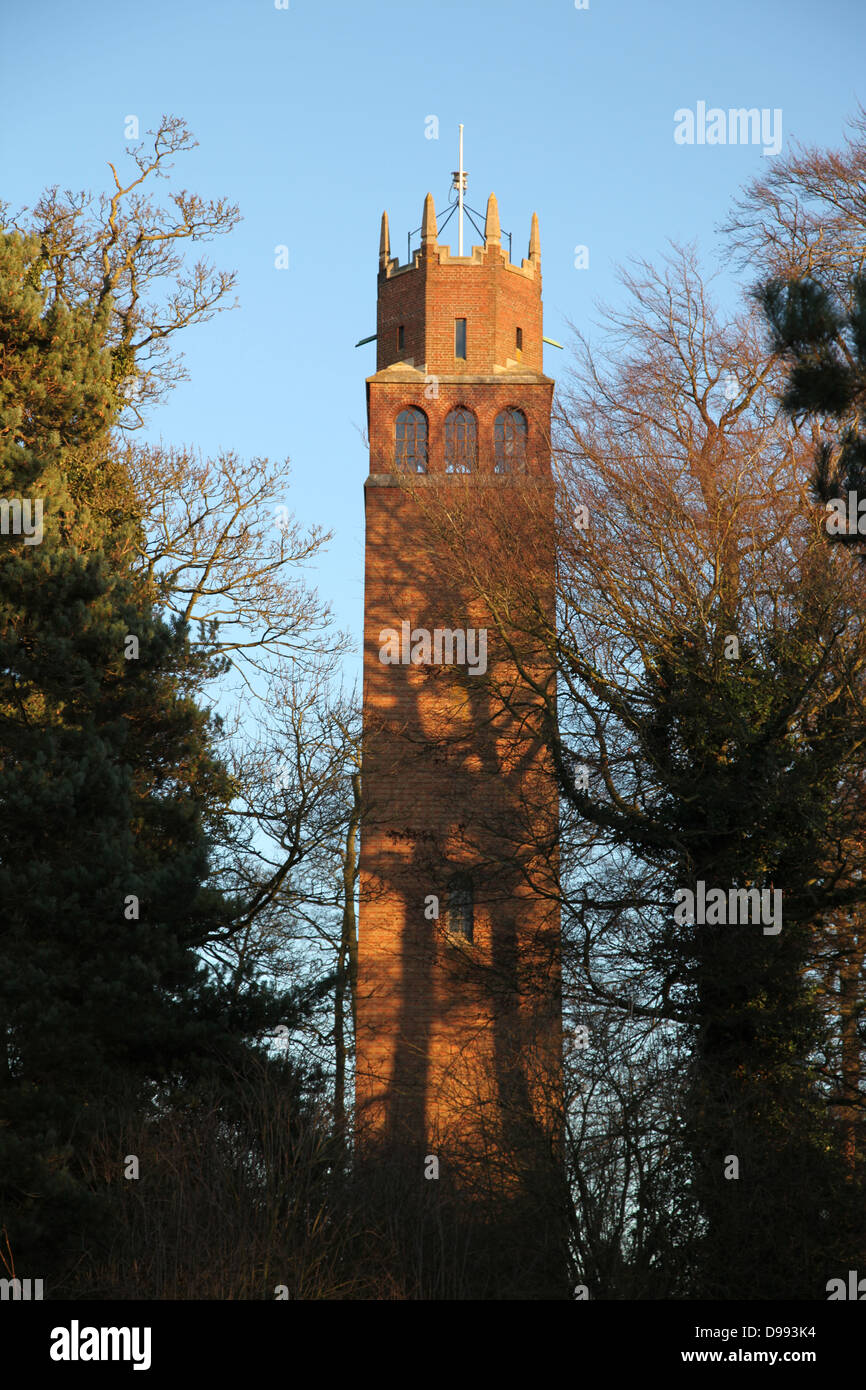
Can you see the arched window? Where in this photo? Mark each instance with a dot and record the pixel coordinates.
(460, 912)
(410, 452)
(509, 441)
(460, 441)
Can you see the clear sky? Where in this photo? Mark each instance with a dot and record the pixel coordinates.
(314, 118)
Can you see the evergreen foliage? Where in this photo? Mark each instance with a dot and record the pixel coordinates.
(110, 792)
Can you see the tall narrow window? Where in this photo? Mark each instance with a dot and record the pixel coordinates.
(410, 452)
(518, 344)
(460, 338)
(509, 441)
(460, 441)
(460, 912)
(401, 338)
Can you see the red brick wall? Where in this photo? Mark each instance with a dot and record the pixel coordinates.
(494, 296)
(452, 1036)
(486, 399)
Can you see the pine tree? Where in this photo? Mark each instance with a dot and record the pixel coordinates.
(746, 804)
(110, 793)
(824, 343)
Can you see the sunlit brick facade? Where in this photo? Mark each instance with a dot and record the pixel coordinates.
(458, 1002)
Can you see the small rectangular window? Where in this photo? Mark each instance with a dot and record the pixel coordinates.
(518, 340)
(401, 338)
(459, 337)
(460, 911)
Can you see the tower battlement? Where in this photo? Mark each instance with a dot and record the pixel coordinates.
(422, 304)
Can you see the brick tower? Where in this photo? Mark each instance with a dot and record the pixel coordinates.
(458, 998)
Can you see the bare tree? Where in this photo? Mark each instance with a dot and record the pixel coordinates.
(806, 216)
(292, 866)
(224, 551)
(708, 720)
(121, 249)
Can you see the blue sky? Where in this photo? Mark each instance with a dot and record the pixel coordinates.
(313, 120)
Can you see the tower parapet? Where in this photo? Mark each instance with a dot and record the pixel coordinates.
(499, 301)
